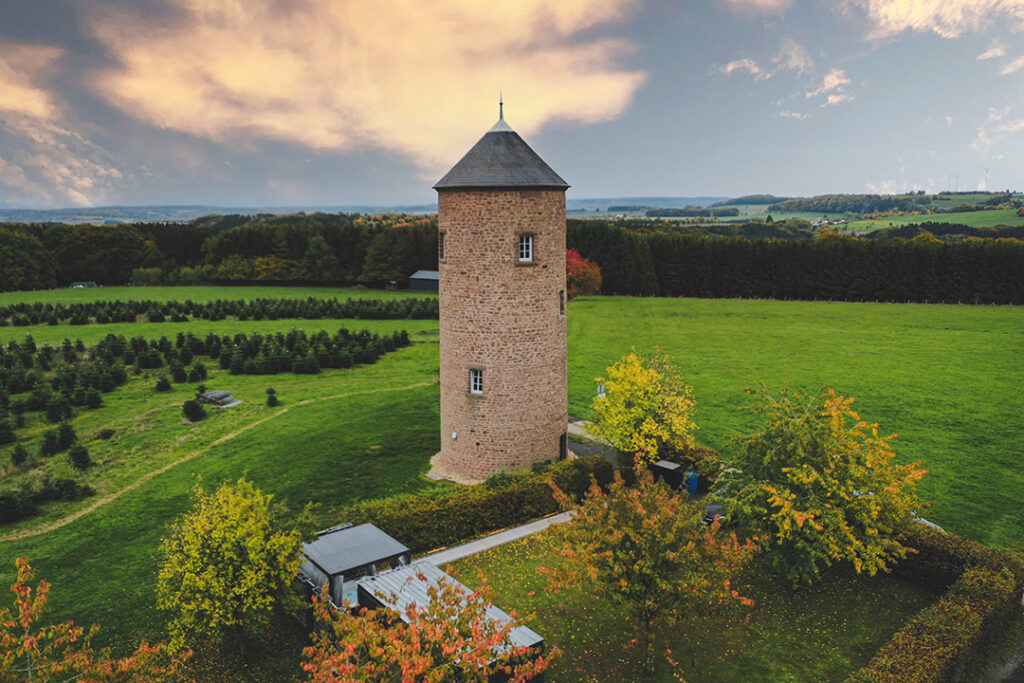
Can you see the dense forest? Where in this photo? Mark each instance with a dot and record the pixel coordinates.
(339, 249)
(854, 203)
(830, 266)
(783, 259)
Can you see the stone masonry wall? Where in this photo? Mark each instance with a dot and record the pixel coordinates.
(506, 319)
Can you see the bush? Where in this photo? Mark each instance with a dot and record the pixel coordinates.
(57, 408)
(106, 434)
(197, 373)
(79, 457)
(425, 521)
(162, 384)
(192, 410)
(66, 436)
(178, 373)
(272, 399)
(51, 443)
(15, 505)
(19, 455)
(93, 400)
(6, 433)
(944, 641)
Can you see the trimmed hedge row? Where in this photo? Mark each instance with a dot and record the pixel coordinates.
(83, 313)
(425, 522)
(943, 641)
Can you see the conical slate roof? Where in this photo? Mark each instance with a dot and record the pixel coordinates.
(501, 159)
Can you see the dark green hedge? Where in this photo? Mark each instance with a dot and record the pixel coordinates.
(425, 522)
(943, 642)
(984, 271)
(82, 313)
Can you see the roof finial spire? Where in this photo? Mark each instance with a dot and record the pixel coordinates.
(501, 126)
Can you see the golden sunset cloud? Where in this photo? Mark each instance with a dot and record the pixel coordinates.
(420, 79)
(22, 67)
(947, 18)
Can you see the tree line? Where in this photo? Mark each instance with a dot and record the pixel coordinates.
(338, 249)
(831, 266)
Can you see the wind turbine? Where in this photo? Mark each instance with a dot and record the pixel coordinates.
(986, 175)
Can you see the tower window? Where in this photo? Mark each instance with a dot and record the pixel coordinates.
(440, 246)
(561, 302)
(525, 248)
(476, 381)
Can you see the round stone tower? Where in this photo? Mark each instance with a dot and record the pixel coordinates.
(501, 243)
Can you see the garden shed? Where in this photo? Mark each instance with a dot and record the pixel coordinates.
(402, 587)
(342, 555)
(424, 281)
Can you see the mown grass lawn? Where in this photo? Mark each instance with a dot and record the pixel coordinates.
(822, 633)
(946, 378)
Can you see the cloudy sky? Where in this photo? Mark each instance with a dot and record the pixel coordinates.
(332, 102)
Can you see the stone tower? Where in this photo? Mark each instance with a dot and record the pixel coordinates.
(504, 393)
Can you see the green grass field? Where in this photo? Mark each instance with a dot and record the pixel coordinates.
(823, 633)
(339, 437)
(973, 219)
(946, 378)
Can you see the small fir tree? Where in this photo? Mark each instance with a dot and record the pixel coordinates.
(193, 410)
(7, 434)
(79, 457)
(19, 456)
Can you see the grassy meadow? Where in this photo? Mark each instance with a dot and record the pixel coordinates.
(805, 635)
(946, 378)
(973, 219)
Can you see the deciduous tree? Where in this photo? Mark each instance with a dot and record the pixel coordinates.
(644, 547)
(821, 486)
(582, 276)
(646, 408)
(64, 652)
(225, 565)
(449, 639)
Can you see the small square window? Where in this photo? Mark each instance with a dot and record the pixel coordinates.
(440, 246)
(525, 248)
(476, 381)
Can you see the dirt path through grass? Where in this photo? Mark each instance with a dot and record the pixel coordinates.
(110, 497)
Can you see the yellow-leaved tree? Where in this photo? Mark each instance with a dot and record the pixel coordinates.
(820, 486)
(225, 566)
(647, 408)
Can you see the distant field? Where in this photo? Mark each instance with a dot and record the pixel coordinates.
(973, 219)
(760, 211)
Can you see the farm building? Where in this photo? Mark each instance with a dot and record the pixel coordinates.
(342, 555)
(424, 281)
(399, 588)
